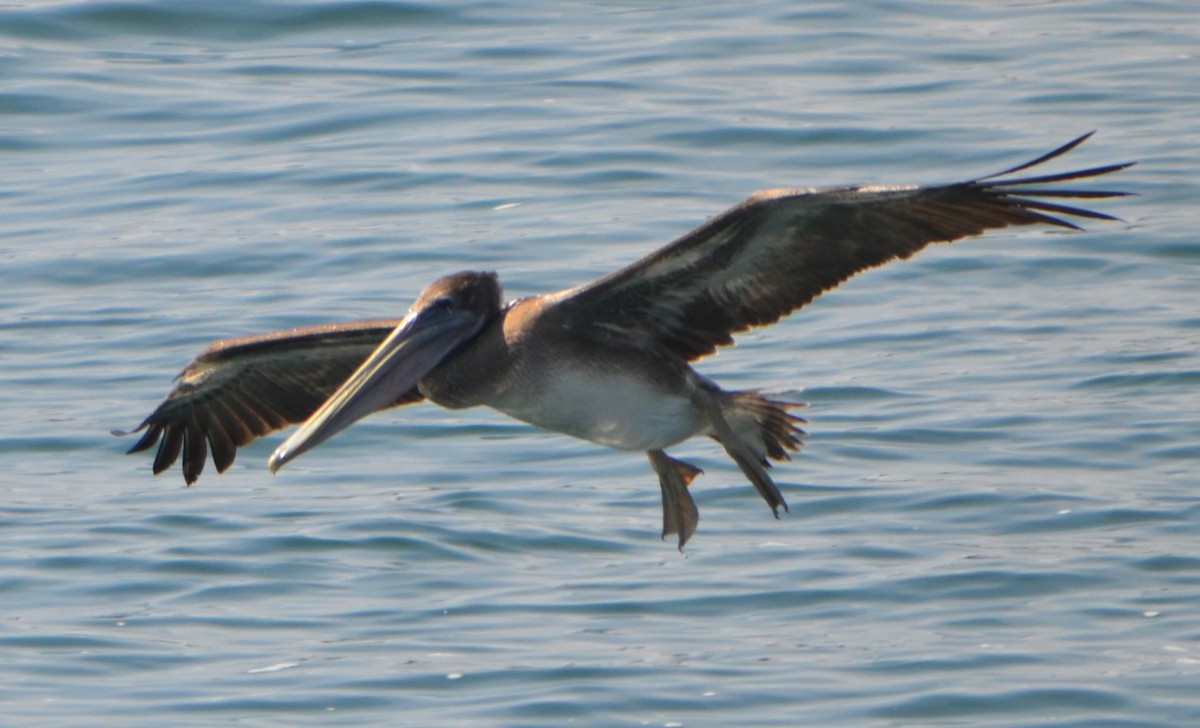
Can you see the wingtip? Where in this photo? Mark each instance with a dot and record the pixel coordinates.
(1057, 152)
(126, 433)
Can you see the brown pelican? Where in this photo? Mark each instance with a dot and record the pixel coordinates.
(607, 361)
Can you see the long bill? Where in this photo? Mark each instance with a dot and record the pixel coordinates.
(411, 351)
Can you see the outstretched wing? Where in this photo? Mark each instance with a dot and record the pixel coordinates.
(237, 390)
(780, 249)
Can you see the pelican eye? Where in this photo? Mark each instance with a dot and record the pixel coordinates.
(444, 304)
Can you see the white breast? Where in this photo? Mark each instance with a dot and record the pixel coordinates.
(611, 409)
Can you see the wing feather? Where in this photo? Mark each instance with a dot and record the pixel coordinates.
(238, 390)
(779, 249)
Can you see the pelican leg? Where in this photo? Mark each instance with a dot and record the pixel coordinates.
(756, 470)
(752, 462)
(680, 514)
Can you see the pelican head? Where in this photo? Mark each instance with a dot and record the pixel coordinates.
(449, 312)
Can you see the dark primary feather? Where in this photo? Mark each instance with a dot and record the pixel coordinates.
(779, 249)
(237, 390)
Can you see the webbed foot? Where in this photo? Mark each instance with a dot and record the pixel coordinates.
(680, 515)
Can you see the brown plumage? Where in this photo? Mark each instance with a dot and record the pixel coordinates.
(780, 249)
(606, 361)
(238, 390)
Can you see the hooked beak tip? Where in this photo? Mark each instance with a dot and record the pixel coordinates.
(276, 461)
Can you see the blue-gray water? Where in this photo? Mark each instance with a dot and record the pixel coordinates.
(996, 520)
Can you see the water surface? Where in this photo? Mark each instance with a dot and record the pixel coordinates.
(995, 521)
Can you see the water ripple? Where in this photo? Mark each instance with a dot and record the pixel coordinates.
(993, 521)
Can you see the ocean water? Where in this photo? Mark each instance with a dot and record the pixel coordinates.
(995, 521)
